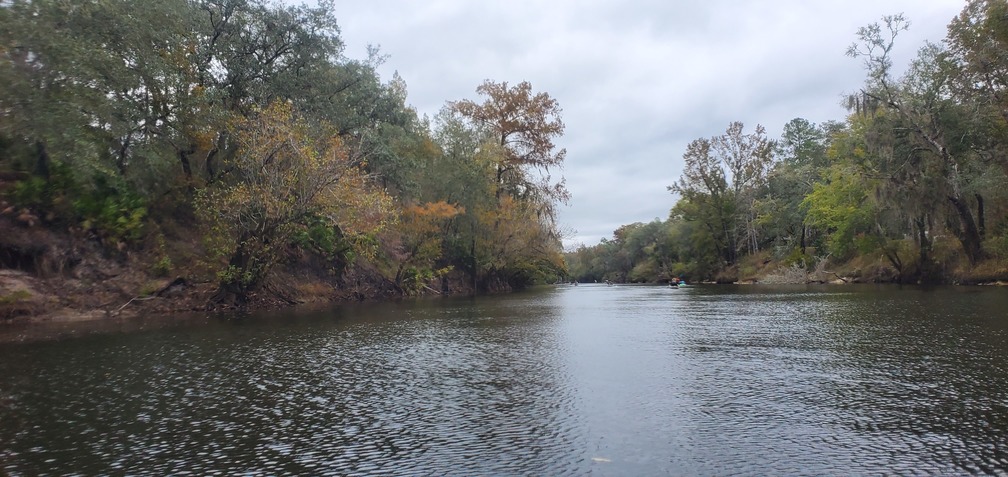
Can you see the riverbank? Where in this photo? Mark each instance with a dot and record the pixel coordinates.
(55, 276)
(947, 268)
(52, 276)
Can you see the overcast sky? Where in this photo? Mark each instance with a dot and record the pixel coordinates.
(637, 79)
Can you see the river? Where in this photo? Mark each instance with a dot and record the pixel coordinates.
(587, 380)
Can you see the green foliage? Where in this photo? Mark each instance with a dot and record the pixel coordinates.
(163, 265)
(919, 158)
(279, 140)
(722, 179)
(997, 240)
(414, 280)
(48, 195)
(287, 172)
(248, 113)
(326, 240)
(119, 217)
(507, 234)
(648, 253)
(644, 272)
(840, 206)
(999, 246)
(105, 206)
(797, 257)
(244, 277)
(34, 193)
(14, 297)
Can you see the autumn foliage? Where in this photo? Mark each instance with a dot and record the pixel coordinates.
(284, 173)
(421, 230)
(155, 125)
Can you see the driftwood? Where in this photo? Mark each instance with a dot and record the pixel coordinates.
(136, 298)
(171, 288)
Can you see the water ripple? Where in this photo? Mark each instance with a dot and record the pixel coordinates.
(591, 380)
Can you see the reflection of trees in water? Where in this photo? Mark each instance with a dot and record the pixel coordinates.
(874, 377)
(924, 371)
(475, 387)
(703, 380)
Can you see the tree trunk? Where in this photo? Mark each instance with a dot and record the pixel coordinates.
(804, 231)
(210, 169)
(981, 221)
(183, 155)
(219, 148)
(968, 233)
(474, 274)
(894, 258)
(123, 152)
(923, 242)
(41, 160)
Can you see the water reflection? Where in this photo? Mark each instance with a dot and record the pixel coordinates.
(905, 382)
(471, 388)
(569, 381)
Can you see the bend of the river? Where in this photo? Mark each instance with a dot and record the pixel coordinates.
(586, 380)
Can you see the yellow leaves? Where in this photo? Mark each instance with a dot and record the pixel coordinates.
(286, 170)
(286, 157)
(362, 209)
(428, 215)
(419, 221)
(511, 235)
(419, 237)
(859, 152)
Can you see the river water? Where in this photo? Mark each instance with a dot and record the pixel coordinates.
(588, 380)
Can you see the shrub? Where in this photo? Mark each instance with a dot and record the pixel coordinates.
(104, 206)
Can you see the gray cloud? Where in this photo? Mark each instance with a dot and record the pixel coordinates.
(637, 80)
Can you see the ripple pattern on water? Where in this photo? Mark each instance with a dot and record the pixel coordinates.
(421, 395)
(591, 380)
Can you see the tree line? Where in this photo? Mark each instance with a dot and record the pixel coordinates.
(242, 122)
(909, 187)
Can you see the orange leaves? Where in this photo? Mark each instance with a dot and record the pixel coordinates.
(423, 224)
(525, 123)
(524, 126)
(428, 217)
(419, 238)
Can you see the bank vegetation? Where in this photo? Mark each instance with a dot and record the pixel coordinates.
(194, 154)
(910, 187)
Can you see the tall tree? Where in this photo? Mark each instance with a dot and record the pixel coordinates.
(802, 157)
(524, 125)
(978, 55)
(748, 158)
(512, 234)
(978, 46)
(85, 82)
(722, 178)
(704, 185)
(921, 101)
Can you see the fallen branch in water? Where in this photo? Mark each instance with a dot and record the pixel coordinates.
(431, 289)
(136, 298)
